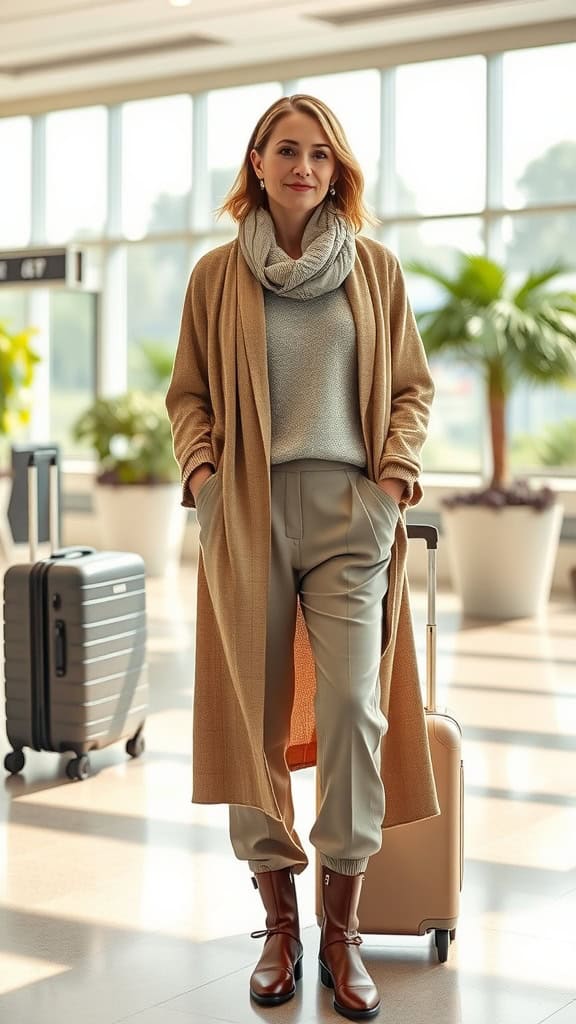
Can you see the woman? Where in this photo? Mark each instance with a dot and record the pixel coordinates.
(299, 403)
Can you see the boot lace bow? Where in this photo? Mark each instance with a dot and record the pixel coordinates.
(267, 932)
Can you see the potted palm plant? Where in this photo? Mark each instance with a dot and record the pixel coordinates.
(502, 538)
(137, 497)
(17, 364)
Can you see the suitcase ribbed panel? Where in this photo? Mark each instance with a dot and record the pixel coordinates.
(95, 651)
(17, 652)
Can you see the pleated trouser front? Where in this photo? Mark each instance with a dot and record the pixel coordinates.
(332, 530)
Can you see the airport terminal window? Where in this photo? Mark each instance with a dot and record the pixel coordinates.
(535, 240)
(72, 361)
(13, 308)
(440, 143)
(232, 114)
(437, 241)
(347, 94)
(156, 165)
(157, 278)
(542, 420)
(15, 170)
(76, 174)
(539, 141)
(456, 425)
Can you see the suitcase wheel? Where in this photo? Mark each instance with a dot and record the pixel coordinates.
(78, 768)
(136, 745)
(442, 938)
(14, 761)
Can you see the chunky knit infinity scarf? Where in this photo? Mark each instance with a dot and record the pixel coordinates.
(328, 253)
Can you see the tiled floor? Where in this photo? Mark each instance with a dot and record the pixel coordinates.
(121, 901)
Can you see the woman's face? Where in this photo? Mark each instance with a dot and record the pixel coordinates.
(298, 165)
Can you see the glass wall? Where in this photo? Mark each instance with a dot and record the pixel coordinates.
(15, 181)
(149, 176)
(441, 136)
(72, 364)
(156, 165)
(539, 129)
(75, 174)
(156, 281)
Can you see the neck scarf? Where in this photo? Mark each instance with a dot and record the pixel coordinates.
(328, 253)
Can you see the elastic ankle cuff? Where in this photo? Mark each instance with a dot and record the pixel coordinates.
(345, 867)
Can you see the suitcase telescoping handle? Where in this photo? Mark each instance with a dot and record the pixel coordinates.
(430, 535)
(51, 455)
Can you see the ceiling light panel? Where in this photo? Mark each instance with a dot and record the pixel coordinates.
(360, 15)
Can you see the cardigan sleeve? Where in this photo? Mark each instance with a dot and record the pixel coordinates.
(412, 393)
(188, 396)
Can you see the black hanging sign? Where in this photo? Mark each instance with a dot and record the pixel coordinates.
(41, 266)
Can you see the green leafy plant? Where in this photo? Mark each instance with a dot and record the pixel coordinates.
(131, 437)
(557, 447)
(17, 363)
(510, 333)
(159, 361)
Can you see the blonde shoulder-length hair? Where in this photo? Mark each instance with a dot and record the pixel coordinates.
(246, 195)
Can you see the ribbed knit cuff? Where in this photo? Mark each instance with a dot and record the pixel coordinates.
(345, 867)
(397, 471)
(200, 457)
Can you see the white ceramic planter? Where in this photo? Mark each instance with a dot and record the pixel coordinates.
(502, 560)
(147, 520)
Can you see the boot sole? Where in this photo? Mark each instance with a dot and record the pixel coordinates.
(327, 981)
(277, 1000)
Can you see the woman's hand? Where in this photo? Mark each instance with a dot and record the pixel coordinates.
(393, 487)
(198, 478)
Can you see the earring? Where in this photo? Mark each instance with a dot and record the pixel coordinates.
(332, 191)
(262, 185)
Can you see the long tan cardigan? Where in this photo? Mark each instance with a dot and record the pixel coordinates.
(219, 406)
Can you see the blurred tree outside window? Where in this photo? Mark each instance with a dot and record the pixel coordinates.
(539, 126)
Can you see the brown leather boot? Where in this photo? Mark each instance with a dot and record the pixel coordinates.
(274, 978)
(341, 968)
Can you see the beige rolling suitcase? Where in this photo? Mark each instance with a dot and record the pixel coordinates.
(412, 886)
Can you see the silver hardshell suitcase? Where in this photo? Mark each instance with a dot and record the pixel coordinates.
(74, 647)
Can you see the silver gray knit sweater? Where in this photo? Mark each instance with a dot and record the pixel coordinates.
(313, 376)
